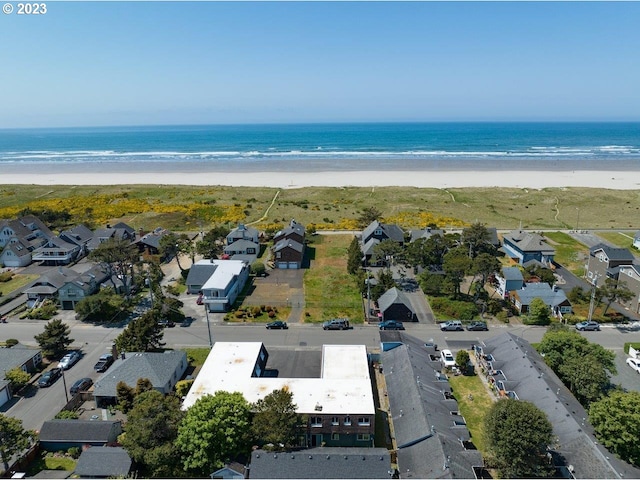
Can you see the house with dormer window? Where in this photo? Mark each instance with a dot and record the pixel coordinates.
(19, 238)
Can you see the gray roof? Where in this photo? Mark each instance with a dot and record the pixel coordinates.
(549, 296)
(241, 245)
(80, 234)
(393, 296)
(390, 230)
(153, 238)
(286, 242)
(103, 462)
(532, 380)
(528, 242)
(367, 248)
(50, 474)
(324, 462)
(613, 253)
(159, 368)
(200, 273)
(15, 356)
(426, 233)
(637, 235)
(243, 231)
(429, 436)
(77, 431)
(293, 227)
(512, 273)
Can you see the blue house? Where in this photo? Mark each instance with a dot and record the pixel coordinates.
(523, 247)
(509, 279)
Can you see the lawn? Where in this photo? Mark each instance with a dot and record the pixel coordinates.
(51, 462)
(619, 239)
(570, 253)
(330, 291)
(18, 281)
(473, 410)
(197, 356)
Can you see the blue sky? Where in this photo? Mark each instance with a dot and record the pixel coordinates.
(126, 63)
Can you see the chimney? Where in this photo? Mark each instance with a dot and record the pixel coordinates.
(108, 225)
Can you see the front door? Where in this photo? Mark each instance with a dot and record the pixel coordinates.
(316, 440)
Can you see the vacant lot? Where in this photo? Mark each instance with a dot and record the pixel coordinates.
(18, 281)
(570, 253)
(619, 239)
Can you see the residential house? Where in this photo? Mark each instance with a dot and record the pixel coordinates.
(80, 235)
(58, 435)
(232, 471)
(375, 233)
(57, 251)
(18, 356)
(120, 231)
(515, 370)
(432, 439)
(510, 278)
(553, 297)
(394, 304)
(245, 250)
(226, 280)
(523, 246)
(150, 243)
(288, 253)
(324, 462)
(604, 262)
(242, 232)
(636, 240)
(336, 398)
(426, 233)
(103, 462)
(163, 369)
(630, 275)
(84, 285)
(294, 231)
(20, 237)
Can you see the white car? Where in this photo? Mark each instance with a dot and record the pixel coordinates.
(69, 360)
(447, 358)
(634, 363)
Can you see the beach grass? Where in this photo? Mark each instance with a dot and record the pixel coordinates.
(187, 208)
(619, 239)
(570, 253)
(330, 292)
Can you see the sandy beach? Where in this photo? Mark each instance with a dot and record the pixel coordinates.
(190, 174)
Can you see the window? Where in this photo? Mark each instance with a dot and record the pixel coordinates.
(590, 274)
(335, 421)
(278, 254)
(364, 437)
(335, 436)
(364, 421)
(347, 420)
(251, 250)
(378, 232)
(316, 421)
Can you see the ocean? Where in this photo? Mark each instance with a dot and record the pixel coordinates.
(334, 146)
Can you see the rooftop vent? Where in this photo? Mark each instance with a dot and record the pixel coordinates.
(318, 407)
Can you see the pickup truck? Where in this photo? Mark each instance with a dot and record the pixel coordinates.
(104, 362)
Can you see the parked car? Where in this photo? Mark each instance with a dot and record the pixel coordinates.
(80, 385)
(49, 377)
(634, 363)
(278, 324)
(186, 322)
(587, 325)
(104, 362)
(447, 358)
(336, 324)
(451, 325)
(69, 360)
(390, 325)
(480, 326)
(430, 343)
(166, 323)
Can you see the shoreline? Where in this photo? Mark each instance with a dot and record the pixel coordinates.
(213, 175)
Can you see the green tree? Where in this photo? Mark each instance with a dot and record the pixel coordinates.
(384, 283)
(275, 419)
(368, 215)
(117, 257)
(125, 396)
(474, 238)
(143, 334)
(103, 307)
(215, 429)
(151, 430)
(54, 340)
(13, 438)
(258, 269)
(462, 360)
(212, 242)
(17, 377)
(585, 377)
(517, 435)
(615, 291)
(431, 283)
(615, 420)
(544, 274)
(539, 312)
(387, 251)
(354, 256)
(456, 264)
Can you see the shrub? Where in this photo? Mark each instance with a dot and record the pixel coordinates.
(454, 308)
(11, 342)
(503, 316)
(74, 452)
(271, 314)
(239, 314)
(67, 415)
(182, 387)
(255, 311)
(172, 290)
(5, 276)
(258, 269)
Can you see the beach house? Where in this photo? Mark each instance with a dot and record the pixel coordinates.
(19, 238)
(219, 281)
(523, 247)
(553, 297)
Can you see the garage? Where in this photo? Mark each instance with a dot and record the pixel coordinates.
(283, 265)
(293, 265)
(4, 393)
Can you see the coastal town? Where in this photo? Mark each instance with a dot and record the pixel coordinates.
(386, 351)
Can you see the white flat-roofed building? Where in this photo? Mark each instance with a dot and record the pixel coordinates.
(222, 287)
(339, 403)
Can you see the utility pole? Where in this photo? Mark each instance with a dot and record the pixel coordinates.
(206, 312)
(64, 385)
(592, 303)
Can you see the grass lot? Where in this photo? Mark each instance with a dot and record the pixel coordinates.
(197, 356)
(185, 208)
(329, 290)
(51, 463)
(619, 239)
(18, 281)
(570, 253)
(474, 410)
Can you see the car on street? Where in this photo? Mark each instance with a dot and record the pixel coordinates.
(587, 325)
(477, 326)
(451, 325)
(278, 324)
(165, 322)
(186, 322)
(447, 358)
(336, 324)
(104, 362)
(49, 377)
(69, 360)
(390, 325)
(80, 385)
(634, 363)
